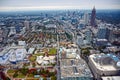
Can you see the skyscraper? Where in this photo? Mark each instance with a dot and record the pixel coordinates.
(103, 32)
(93, 16)
(26, 24)
(88, 36)
(86, 18)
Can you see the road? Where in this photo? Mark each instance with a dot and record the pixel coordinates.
(58, 64)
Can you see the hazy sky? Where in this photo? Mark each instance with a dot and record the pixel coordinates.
(58, 4)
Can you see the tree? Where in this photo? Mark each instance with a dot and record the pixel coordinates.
(44, 78)
(15, 74)
(24, 71)
(53, 78)
(85, 52)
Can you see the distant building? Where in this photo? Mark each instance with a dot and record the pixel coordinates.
(68, 53)
(103, 32)
(12, 31)
(80, 40)
(115, 37)
(81, 26)
(26, 24)
(21, 43)
(86, 18)
(50, 28)
(88, 36)
(93, 16)
(17, 29)
(1, 35)
(101, 42)
(74, 21)
(104, 65)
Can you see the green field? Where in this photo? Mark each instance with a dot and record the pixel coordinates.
(52, 51)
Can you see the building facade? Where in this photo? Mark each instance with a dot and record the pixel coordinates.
(93, 16)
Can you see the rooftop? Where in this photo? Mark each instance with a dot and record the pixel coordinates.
(111, 78)
(74, 68)
(105, 62)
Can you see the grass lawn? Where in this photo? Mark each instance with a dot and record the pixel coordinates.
(30, 76)
(10, 71)
(52, 51)
(10, 74)
(20, 75)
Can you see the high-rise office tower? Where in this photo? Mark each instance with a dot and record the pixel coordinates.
(26, 24)
(103, 32)
(93, 16)
(86, 18)
(88, 36)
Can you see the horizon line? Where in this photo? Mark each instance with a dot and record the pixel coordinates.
(51, 8)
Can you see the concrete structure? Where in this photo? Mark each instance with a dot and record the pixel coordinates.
(104, 65)
(21, 43)
(86, 18)
(17, 55)
(45, 60)
(103, 32)
(111, 78)
(4, 55)
(101, 42)
(12, 31)
(80, 40)
(68, 53)
(26, 24)
(31, 50)
(88, 36)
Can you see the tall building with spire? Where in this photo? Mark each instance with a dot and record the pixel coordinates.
(93, 16)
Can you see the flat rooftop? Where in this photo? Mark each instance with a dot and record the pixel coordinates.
(3, 52)
(100, 66)
(6, 50)
(111, 78)
(74, 68)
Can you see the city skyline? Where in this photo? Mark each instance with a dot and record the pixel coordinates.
(55, 4)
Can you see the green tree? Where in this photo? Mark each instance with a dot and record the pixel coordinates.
(44, 78)
(24, 71)
(15, 74)
(85, 52)
(53, 78)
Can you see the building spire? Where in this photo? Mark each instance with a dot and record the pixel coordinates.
(94, 7)
(93, 16)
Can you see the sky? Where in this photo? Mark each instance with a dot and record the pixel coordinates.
(58, 4)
